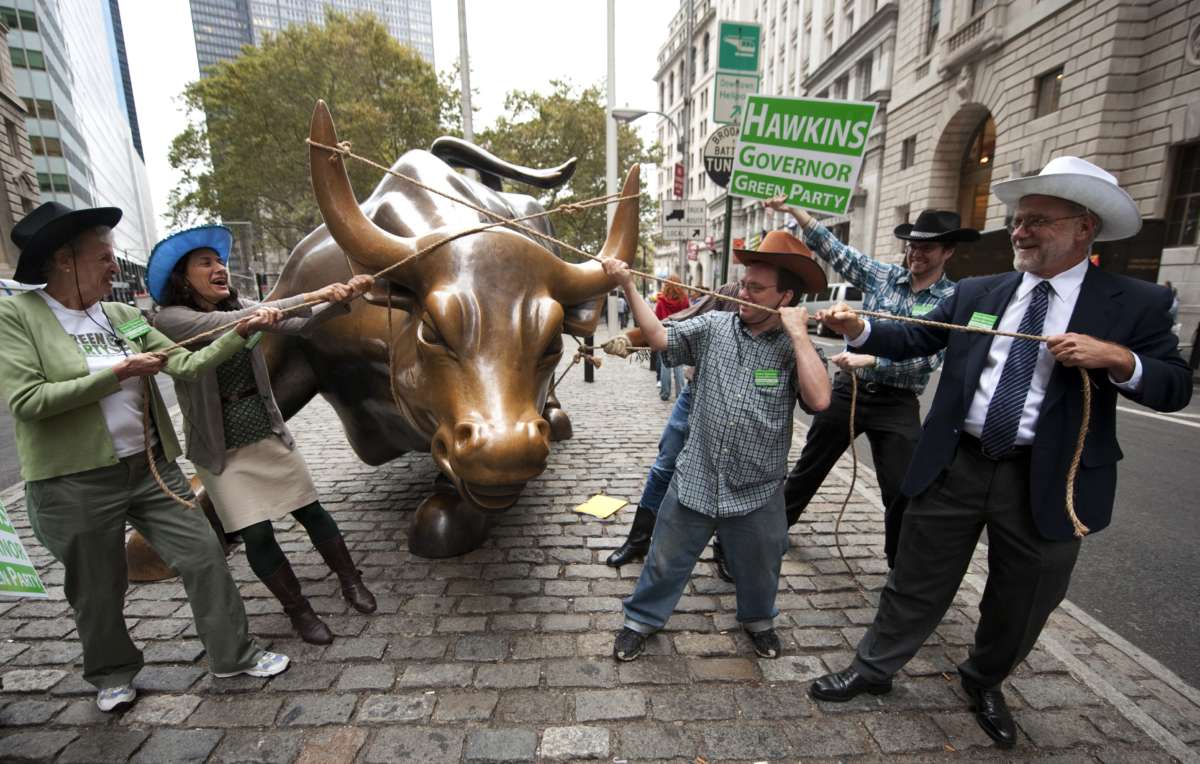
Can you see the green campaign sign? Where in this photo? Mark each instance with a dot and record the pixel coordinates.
(17, 575)
(737, 46)
(808, 148)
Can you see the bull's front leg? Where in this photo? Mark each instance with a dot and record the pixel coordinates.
(446, 524)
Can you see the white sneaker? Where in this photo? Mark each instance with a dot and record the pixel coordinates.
(116, 698)
(267, 664)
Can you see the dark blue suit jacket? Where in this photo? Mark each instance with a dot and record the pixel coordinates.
(1127, 311)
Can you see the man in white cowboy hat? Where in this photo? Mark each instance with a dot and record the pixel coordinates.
(887, 410)
(1000, 435)
(750, 367)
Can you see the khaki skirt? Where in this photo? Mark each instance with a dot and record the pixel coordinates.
(262, 481)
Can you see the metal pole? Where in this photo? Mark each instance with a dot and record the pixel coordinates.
(464, 67)
(725, 254)
(610, 124)
(684, 147)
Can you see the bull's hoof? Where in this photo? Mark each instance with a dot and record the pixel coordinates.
(560, 424)
(144, 564)
(446, 526)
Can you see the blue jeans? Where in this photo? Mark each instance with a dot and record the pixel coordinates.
(664, 380)
(674, 435)
(755, 543)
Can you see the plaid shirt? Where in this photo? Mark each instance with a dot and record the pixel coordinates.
(887, 289)
(735, 457)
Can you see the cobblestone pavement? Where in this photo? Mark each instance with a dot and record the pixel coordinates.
(504, 654)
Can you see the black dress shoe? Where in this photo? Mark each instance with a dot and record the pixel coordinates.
(846, 685)
(991, 711)
(723, 570)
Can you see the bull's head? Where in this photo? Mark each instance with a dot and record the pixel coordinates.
(475, 351)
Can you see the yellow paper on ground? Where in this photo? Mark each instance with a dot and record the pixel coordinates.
(601, 506)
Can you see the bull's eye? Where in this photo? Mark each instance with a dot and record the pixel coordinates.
(429, 334)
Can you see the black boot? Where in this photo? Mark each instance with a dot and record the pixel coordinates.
(286, 588)
(337, 557)
(719, 557)
(638, 543)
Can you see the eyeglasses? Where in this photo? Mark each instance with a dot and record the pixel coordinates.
(922, 248)
(1036, 223)
(754, 289)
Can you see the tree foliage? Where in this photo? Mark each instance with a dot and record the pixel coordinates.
(543, 130)
(254, 112)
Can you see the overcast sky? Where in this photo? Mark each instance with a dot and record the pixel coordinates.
(514, 44)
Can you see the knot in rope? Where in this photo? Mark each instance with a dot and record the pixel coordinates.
(570, 208)
(342, 149)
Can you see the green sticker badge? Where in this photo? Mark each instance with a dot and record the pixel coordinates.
(134, 328)
(920, 310)
(983, 320)
(766, 377)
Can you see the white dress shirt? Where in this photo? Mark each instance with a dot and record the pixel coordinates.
(1064, 293)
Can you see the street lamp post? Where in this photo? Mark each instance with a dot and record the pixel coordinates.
(629, 115)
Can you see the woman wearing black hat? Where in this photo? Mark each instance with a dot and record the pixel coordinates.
(236, 436)
(75, 372)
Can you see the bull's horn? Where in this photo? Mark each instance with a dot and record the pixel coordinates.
(587, 280)
(354, 232)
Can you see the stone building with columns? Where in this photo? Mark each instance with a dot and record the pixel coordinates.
(18, 184)
(986, 90)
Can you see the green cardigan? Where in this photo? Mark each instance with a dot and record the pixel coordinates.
(55, 402)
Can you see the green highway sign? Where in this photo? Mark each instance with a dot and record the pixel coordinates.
(17, 575)
(808, 148)
(738, 46)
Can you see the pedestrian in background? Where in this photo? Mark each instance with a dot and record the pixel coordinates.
(73, 371)
(236, 437)
(672, 299)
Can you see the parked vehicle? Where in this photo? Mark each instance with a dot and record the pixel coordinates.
(831, 295)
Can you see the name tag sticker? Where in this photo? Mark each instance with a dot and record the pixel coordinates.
(983, 320)
(134, 328)
(766, 377)
(920, 310)
(254, 340)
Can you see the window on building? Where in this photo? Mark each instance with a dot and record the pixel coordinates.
(50, 147)
(1183, 211)
(692, 60)
(841, 86)
(14, 138)
(704, 58)
(27, 59)
(935, 20)
(15, 19)
(661, 103)
(671, 88)
(908, 152)
(1049, 88)
(703, 130)
(842, 232)
(864, 76)
(704, 100)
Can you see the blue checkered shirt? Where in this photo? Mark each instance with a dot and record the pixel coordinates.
(735, 457)
(887, 289)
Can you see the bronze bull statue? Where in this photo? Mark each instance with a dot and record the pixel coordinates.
(476, 330)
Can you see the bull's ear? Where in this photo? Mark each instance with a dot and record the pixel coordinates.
(581, 320)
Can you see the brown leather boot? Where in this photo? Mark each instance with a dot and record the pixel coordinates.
(337, 557)
(286, 588)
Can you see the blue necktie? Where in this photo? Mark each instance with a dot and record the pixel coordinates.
(1003, 418)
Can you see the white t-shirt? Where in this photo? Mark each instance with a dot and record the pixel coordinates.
(102, 348)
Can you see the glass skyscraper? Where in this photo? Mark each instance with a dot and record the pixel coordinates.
(222, 27)
(70, 70)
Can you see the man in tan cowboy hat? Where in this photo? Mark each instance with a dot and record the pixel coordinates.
(750, 367)
(1000, 435)
(887, 410)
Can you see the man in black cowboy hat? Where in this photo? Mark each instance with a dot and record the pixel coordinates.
(888, 410)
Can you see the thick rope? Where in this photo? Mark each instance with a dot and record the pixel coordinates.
(147, 384)
(837, 526)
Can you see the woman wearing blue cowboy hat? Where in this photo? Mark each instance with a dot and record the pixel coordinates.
(73, 371)
(243, 452)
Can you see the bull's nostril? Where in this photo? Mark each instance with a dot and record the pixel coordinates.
(464, 433)
(542, 427)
